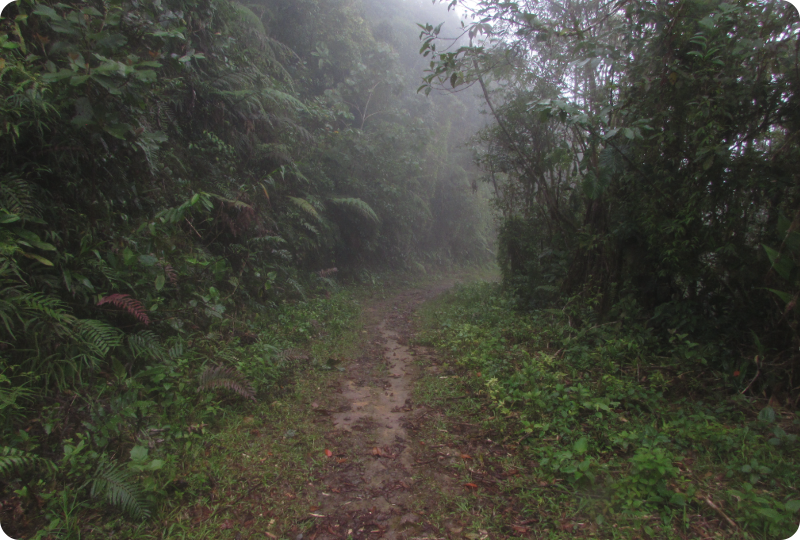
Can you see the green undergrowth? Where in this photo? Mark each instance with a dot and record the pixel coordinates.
(615, 430)
(161, 437)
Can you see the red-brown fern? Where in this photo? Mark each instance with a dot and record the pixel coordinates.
(169, 272)
(131, 305)
(229, 378)
(327, 272)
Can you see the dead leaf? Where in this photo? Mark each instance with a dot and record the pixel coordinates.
(227, 524)
(341, 460)
(519, 528)
(470, 485)
(377, 451)
(466, 456)
(271, 535)
(328, 453)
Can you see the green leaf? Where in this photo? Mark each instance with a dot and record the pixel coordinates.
(62, 74)
(138, 453)
(9, 218)
(792, 506)
(160, 281)
(37, 258)
(767, 414)
(78, 80)
(112, 41)
(117, 130)
(128, 255)
(786, 297)
(782, 265)
(147, 260)
(155, 465)
(770, 513)
(146, 75)
(581, 445)
(708, 22)
(47, 11)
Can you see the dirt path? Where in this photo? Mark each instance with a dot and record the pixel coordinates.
(368, 495)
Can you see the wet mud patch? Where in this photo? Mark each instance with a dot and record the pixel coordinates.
(371, 489)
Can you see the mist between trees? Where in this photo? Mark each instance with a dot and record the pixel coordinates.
(642, 155)
(175, 173)
(171, 170)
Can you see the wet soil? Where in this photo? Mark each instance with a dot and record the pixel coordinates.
(370, 492)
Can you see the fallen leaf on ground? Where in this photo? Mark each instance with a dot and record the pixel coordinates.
(470, 485)
(227, 524)
(328, 453)
(466, 456)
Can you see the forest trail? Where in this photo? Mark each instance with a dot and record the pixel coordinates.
(368, 494)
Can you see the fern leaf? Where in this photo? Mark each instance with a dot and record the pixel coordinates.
(103, 337)
(305, 206)
(13, 459)
(116, 484)
(359, 206)
(131, 305)
(40, 303)
(229, 378)
(249, 18)
(146, 344)
(176, 351)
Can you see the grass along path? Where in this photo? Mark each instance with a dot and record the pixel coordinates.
(333, 456)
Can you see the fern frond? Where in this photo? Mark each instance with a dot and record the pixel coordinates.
(359, 206)
(297, 286)
(146, 344)
(229, 378)
(18, 197)
(247, 16)
(305, 206)
(116, 484)
(131, 305)
(308, 226)
(40, 303)
(12, 459)
(103, 337)
(176, 351)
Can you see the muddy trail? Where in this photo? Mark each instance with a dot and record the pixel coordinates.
(370, 491)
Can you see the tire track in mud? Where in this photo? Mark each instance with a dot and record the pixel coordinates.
(371, 491)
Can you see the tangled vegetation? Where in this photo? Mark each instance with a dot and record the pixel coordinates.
(646, 151)
(636, 432)
(178, 178)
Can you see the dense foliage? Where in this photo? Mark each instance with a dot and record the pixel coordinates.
(628, 439)
(644, 151)
(172, 173)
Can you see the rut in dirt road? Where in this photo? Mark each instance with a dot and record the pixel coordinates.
(369, 495)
